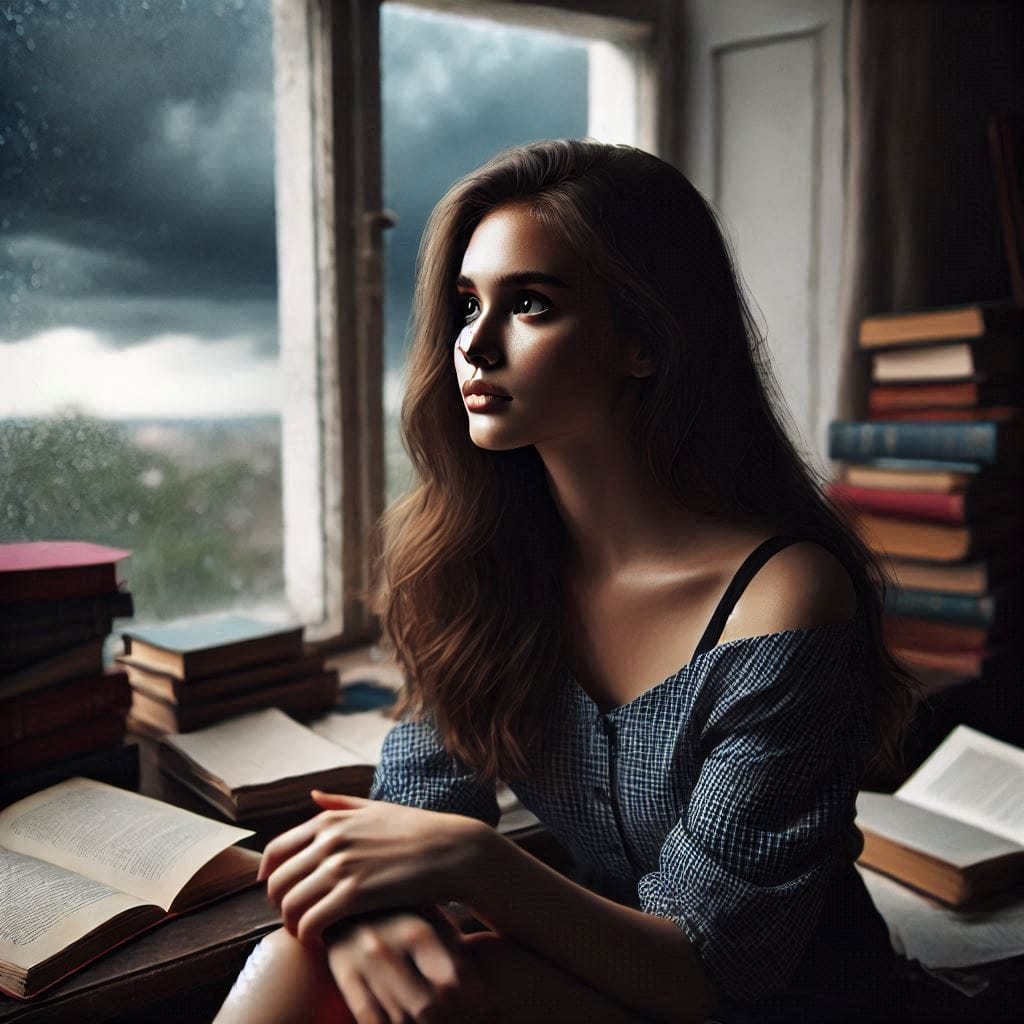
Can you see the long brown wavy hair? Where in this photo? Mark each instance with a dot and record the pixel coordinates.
(471, 581)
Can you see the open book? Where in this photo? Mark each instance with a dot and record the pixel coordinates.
(84, 866)
(955, 829)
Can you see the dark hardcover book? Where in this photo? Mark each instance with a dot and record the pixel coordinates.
(104, 730)
(171, 690)
(207, 648)
(992, 612)
(987, 443)
(39, 616)
(904, 631)
(317, 693)
(48, 570)
(948, 507)
(926, 326)
(84, 661)
(967, 394)
(18, 649)
(117, 766)
(55, 707)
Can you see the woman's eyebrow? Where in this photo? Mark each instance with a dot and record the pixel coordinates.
(521, 277)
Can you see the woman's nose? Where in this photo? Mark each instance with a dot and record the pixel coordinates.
(477, 345)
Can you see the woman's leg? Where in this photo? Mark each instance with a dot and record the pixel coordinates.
(284, 982)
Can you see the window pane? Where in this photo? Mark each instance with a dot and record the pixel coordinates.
(138, 337)
(456, 90)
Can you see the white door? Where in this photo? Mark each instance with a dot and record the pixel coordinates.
(764, 142)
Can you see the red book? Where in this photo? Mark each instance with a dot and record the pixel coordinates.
(45, 711)
(105, 730)
(49, 570)
(887, 398)
(938, 506)
(903, 632)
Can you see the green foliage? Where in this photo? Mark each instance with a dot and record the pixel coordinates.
(201, 510)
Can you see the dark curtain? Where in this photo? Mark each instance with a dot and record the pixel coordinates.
(922, 224)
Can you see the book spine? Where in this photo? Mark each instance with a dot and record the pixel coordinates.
(22, 648)
(904, 631)
(937, 505)
(965, 609)
(37, 751)
(947, 442)
(53, 584)
(115, 765)
(44, 615)
(46, 711)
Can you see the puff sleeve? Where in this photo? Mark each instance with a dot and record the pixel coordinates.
(417, 771)
(769, 823)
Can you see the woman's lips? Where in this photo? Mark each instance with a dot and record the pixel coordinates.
(485, 403)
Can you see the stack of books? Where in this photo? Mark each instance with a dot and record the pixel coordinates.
(933, 481)
(186, 677)
(61, 712)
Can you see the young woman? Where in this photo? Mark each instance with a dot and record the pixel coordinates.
(616, 586)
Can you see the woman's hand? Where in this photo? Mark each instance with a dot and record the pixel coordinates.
(361, 855)
(403, 966)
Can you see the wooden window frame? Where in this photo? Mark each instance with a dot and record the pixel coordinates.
(328, 185)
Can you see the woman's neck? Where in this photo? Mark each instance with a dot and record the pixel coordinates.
(616, 518)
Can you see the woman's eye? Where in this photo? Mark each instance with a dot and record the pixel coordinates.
(530, 304)
(469, 308)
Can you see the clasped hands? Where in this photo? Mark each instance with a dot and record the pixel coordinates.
(357, 868)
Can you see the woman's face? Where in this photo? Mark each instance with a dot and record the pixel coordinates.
(538, 330)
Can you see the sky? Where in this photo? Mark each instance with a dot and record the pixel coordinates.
(137, 255)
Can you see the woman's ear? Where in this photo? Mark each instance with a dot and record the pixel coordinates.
(639, 359)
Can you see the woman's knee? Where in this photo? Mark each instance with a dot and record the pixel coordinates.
(282, 981)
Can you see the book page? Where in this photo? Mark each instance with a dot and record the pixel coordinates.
(935, 834)
(47, 908)
(130, 842)
(973, 778)
(260, 748)
(360, 732)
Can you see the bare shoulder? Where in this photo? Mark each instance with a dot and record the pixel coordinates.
(802, 586)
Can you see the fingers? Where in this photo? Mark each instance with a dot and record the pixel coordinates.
(329, 801)
(289, 843)
(399, 963)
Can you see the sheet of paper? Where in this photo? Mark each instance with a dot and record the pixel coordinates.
(47, 908)
(260, 748)
(129, 842)
(974, 778)
(940, 938)
(931, 833)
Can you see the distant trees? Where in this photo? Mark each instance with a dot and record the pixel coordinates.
(200, 511)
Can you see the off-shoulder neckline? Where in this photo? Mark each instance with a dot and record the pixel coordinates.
(699, 658)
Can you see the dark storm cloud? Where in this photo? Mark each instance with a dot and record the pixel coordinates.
(136, 165)
(137, 168)
(451, 104)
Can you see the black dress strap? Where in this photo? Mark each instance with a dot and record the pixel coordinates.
(744, 574)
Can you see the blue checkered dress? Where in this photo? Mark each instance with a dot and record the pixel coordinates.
(721, 799)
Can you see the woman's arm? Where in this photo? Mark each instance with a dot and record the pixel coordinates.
(642, 961)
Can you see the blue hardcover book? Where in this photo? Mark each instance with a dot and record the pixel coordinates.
(207, 648)
(966, 609)
(986, 442)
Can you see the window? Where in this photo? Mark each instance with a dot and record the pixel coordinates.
(139, 382)
(162, 387)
